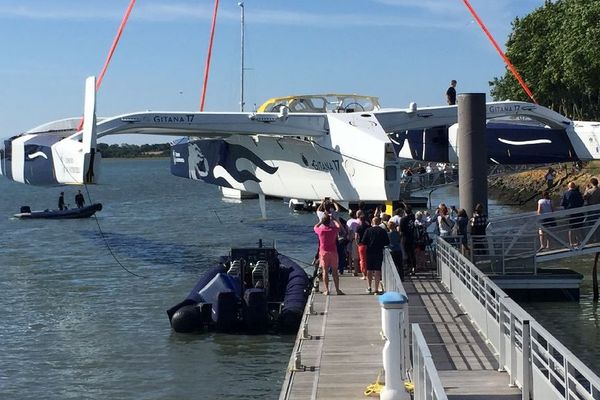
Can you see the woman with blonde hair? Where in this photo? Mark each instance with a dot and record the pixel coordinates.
(444, 222)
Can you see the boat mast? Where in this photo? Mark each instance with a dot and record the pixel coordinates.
(241, 4)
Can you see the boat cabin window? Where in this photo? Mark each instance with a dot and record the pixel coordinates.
(322, 103)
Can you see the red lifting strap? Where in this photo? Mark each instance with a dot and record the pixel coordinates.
(113, 47)
(499, 50)
(210, 45)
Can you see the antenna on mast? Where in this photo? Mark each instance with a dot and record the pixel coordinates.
(241, 4)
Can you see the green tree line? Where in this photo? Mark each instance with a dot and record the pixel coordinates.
(556, 49)
(133, 151)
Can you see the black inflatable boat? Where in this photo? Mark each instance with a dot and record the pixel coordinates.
(71, 213)
(254, 290)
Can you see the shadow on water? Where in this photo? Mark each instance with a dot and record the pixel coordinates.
(153, 251)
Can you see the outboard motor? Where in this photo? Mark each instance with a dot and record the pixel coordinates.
(255, 310)
(25, 210)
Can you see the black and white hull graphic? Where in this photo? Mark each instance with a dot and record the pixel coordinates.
(215, 161)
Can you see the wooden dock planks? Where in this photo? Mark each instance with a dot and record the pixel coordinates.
(344, 352)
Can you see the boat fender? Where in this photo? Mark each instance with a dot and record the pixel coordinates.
(187, 319)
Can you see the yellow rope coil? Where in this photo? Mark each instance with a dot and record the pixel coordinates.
(375, 387)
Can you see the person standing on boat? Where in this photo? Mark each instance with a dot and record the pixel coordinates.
(327, 230)
(61, 201)
(79, 199)
(451, 93)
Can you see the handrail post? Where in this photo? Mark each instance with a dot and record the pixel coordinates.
(526, 342)
(502, 342)
(513, 352)
(416, 368)
(534, 258)
(503, 257)
(393, 308)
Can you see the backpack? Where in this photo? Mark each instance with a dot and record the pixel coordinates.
(421, 236)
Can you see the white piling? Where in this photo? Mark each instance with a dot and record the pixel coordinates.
(392, 314)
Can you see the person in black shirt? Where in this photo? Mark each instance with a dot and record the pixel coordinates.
(451, 93)
(61, 201)
(407, 228)
(572, 198)
(375, 238)
(79, 199)
(478, 225)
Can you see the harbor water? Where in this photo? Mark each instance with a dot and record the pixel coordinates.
(77, 325)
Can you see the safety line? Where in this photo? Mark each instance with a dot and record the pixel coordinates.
(97, 221)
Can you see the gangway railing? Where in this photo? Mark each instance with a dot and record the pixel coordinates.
(500, 254)
(535, 360)
(419, 368)
(428, 385)
(443, 174)
(569, 232)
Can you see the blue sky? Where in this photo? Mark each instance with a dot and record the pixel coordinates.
(398, 50)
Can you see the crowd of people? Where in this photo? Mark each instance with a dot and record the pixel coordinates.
(357, 245)
(428, 174)
(572, 198)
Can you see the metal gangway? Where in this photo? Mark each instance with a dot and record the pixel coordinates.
(570, 232)
(444, 174)
(534, 360)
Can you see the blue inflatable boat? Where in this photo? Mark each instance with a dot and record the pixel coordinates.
(254, 290)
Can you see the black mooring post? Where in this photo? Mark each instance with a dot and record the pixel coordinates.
(595, 278)
(472, 151)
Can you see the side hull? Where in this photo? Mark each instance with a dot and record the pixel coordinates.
(283, 167)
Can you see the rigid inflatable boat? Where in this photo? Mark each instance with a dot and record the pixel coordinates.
(70, 213)
(254, 290)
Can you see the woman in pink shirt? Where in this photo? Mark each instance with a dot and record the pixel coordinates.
(327, 230)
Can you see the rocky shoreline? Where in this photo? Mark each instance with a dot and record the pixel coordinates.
(523, 189)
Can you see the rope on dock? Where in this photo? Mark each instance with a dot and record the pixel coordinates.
(374, 389)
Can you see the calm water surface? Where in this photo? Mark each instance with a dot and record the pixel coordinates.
(75, 325)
